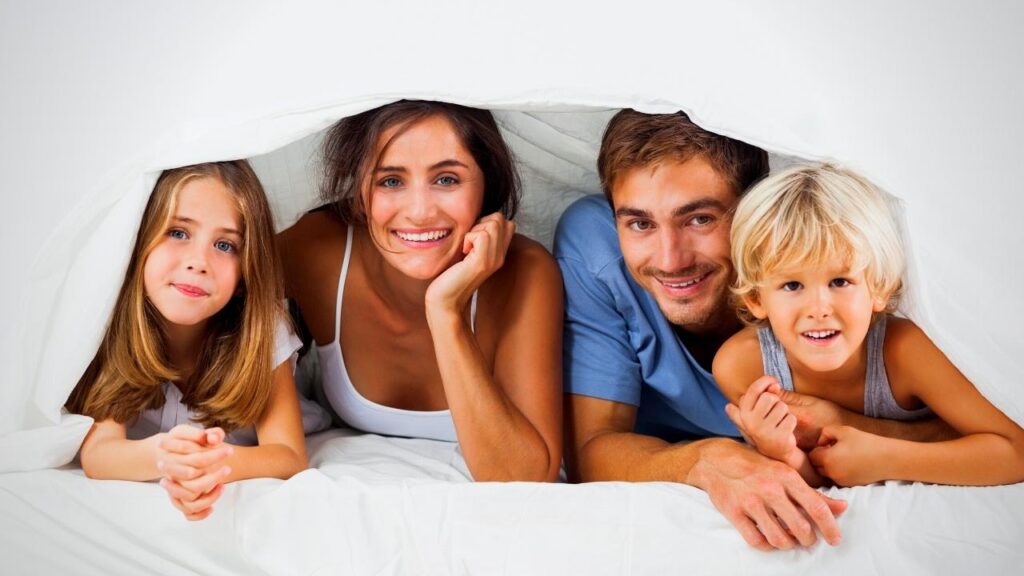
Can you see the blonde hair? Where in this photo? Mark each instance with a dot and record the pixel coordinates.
(230, 384)
(808, 215)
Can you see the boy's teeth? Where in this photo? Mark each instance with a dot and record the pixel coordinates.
(422, 236)
(820, 333)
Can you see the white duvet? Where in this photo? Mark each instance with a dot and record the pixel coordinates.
(382, 506)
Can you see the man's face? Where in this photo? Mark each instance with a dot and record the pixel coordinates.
(673, 222)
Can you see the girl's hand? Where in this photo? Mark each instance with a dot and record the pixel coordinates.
(847, 455)
(765, 419)
(484, 246)
(191, 461)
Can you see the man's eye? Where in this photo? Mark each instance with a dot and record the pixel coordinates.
(177, 234)
(447, 180)
(390, 182)
(792, 286)
(840, 282)
(225, 246)
(640, 225)
(702, 220)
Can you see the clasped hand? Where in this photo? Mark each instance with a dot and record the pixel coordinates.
(192, 464)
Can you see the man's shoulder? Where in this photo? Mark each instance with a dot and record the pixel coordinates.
(586, 233)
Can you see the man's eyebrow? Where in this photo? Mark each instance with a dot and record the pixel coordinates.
(187, 220)
(701, 204)
(626, 212)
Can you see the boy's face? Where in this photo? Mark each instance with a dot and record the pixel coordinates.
(673, 223)
(820, 315)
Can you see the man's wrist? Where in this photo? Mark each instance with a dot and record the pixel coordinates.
(709, 452)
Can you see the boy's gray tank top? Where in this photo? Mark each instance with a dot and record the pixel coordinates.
(878, 398)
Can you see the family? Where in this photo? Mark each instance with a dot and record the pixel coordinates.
(702, 322)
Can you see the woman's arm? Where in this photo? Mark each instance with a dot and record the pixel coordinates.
(990, 452)
(508, 420)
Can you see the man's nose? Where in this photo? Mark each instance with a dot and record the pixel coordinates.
(674, 251)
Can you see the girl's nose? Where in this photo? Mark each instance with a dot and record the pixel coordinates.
(196, 261)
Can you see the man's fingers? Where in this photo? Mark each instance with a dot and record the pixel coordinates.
(836, 506)
(818, 510)
(769, 526)
(748, 530)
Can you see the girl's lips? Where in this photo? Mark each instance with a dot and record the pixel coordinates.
(190, 290)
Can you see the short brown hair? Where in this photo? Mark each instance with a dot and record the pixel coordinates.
(350, 152)
(637, 140)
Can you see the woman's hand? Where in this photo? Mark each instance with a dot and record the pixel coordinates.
(484, 247)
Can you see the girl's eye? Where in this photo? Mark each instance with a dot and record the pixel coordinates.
(177, 234)
(390, 182)
(447, 180)
(840, 282)
(639, 225)
(224, 246)
(791, 286)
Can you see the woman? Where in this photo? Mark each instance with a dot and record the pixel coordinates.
(433, 319)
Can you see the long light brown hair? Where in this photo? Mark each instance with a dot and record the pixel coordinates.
(230, 384)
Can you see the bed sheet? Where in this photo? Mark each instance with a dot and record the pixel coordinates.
(376, 505)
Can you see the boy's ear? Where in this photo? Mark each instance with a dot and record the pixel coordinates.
(753, 303)
(880, 303)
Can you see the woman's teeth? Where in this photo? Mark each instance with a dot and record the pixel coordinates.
(422, 236)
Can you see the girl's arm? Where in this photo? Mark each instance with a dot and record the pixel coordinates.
(108, 454)
(507, 419)
(991, 449)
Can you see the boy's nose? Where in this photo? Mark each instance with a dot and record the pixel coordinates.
(820, 305)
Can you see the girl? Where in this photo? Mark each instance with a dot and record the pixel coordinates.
(433, 319)
(818, 262)
(197, 338)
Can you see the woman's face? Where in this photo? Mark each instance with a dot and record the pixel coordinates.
(427, 192)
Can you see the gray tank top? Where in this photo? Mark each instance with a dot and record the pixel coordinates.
(878, 399)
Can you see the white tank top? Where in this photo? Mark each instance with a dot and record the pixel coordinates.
(362, 413)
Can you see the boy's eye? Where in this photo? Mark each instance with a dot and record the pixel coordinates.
(390, 182)
(177, 234)
(447, 180)
(840, 282)
(792, 286)
(639, 225)
(224, 246)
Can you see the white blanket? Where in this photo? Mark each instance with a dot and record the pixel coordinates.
(374, 505)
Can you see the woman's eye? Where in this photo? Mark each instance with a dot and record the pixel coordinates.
(390, 182)
(447, 181)
(640, 225)
(224, 246)
(177, 234)
(791, 286)
(840, 282)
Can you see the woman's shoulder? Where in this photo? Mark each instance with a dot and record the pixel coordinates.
(528, 260)
(313, 227)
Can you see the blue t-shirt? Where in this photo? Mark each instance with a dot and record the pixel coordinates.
(618, 345)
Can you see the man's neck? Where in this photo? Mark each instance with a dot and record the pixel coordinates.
(703, 343)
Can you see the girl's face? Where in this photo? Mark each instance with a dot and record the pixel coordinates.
(820, 315)
(427, 193)
(193, 270)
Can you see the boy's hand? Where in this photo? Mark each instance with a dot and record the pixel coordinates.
(765, 420)
(847, 455)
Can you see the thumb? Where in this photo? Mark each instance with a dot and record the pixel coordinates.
(829, 435)
(837, 507)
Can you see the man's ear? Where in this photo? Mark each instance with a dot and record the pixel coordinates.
(753, 303)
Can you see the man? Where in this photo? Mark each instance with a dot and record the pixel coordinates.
(647, 272)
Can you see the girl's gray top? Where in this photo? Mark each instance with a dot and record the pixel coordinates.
(878, 399)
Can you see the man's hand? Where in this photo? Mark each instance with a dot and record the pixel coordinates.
(767, 501)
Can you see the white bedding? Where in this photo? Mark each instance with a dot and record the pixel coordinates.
(374, 505)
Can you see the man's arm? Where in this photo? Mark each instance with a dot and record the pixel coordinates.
(753, 492)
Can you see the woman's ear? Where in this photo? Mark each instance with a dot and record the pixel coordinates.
(753, 303)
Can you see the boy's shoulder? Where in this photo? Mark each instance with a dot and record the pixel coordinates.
(904, 341)
(738, 362)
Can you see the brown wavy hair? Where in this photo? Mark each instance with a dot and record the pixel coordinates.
(352, 149)
(230, 384)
